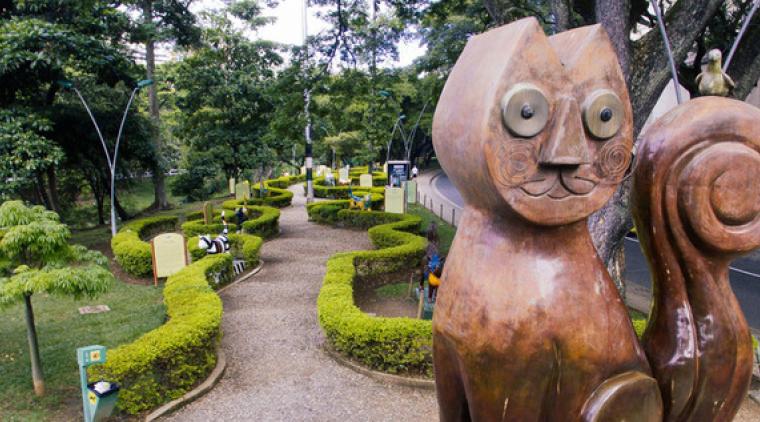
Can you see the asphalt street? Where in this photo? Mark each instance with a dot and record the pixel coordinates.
(744, 274)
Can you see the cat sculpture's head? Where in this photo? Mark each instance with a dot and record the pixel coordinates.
(540, 124)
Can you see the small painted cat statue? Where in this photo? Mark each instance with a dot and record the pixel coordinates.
(536, 134)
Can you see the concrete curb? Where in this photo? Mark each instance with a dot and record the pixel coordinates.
(244, 277)
(438, 193)
(203, 388)
(378, 376)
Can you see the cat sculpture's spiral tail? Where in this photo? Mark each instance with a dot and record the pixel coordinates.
(696, 196)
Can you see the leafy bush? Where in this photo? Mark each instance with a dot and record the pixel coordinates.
(387, 344)
(167, 362)
(129, 248)
(262, 221)
(243, 246)
(275, 197)
(200, 181)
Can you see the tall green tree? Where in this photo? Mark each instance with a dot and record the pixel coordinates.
(42, 41)
(223, 92)
(161, 21)
(35, 257)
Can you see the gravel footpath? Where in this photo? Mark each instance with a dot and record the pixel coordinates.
(276, 368)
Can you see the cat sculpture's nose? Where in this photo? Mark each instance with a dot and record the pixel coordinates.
(566, 145)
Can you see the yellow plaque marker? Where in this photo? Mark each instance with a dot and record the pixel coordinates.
(169, 254)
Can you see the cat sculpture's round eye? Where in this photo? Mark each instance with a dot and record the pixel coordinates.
(524, 110)
(603, 114)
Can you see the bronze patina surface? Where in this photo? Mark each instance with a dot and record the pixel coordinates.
(536, 134)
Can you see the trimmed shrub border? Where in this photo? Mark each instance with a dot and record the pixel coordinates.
(394, 345)
(165, 363)
(277, 195)
(195, 393)
(263, 223)
(131, 252)
(322, 190)
(428, 384)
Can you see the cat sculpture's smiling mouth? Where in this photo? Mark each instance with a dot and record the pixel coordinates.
(558, 184)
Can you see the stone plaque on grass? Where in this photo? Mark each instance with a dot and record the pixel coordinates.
(97, 309)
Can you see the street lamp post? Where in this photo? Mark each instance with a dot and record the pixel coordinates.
(111, 162)
(407, 139)
(307, 101)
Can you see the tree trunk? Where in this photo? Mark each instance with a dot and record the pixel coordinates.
(120, 210)
(41, 191)
(99, 201)
(159, 184)
(34, 350)
(55, 203)
(745, 66)
(614, 17)
(561, 12)
(684, 21)
(646, 80)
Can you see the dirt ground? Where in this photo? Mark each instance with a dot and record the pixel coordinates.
(369, 301)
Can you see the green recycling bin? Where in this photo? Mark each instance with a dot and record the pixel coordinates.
(101, 399)
(98, 398)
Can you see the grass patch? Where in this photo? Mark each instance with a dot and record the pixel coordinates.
(139, 195)
(394, 290)
(61, 329)
(446, 231)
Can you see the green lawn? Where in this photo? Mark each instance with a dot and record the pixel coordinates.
(445, 230)
(61, 329)
(395, 290)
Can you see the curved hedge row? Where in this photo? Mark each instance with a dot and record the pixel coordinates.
(167, 362)
(134, 256)
(243, 246)
(277, 194)
(387, 344)
(131, 252)
(263, 221)
(323, 190)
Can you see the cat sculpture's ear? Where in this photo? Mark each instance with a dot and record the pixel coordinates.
(535, 127)
(696, 204)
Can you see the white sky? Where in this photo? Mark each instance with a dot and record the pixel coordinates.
(287, 27)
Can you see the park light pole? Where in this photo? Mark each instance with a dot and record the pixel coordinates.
(407, 139)
(306, 101)
(111, 162)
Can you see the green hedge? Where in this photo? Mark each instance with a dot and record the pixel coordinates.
(167, 362)
(275, 197)
(341, 192)
(263, 221)
(396, 345)
(243, 246)
(283, 182)
(131, 252)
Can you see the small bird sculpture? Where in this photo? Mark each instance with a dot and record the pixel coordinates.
(714, 81)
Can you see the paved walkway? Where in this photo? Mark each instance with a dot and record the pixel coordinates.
(277, 370)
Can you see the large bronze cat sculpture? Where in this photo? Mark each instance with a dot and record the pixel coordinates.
(536, 133)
